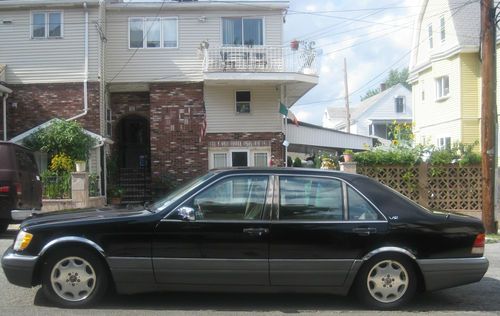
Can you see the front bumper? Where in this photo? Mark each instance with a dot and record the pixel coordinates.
(445, 273)
(19, 269)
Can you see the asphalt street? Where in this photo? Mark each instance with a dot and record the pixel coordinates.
(481, 298)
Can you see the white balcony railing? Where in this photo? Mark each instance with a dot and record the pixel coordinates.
(260, 59)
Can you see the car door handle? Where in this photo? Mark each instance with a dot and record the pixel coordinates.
(364, 231)
(256, 231)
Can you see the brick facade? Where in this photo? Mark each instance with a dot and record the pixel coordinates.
(127, 103)
(38, 103)
(176, 116)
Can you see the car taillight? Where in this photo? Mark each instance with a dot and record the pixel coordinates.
(478, 246)
(4, 189)
(19, 189)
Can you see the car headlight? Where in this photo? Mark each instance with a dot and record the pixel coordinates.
(23, 240)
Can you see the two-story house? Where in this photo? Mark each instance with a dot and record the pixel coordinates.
(445, 73)
(178, 86)
(372, 116)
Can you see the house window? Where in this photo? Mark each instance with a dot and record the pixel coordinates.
(400, 104)
(153, 33)
(260, 159)
(423, 90)
(243, 101)
(443, 29)
(242, 31)
(379, 130)
(444, 142)
(429, 29)
(109, 122)
(442, 87)
(220, 160)
(46, 24)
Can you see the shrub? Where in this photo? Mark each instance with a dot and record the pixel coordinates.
(61, 163)
(62, 137)
(297, 162)
(56, 185)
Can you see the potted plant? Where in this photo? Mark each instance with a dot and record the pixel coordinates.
(115, 194)
(80, 165)
(348, 155)
(294, 45)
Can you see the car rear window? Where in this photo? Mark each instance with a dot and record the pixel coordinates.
(6, 157)
(25, 160)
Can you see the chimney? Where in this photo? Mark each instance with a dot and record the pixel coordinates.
(382, 87)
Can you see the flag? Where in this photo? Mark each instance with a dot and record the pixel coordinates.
(203, 126)
(283, 109)
(293, 118)
(287, 113)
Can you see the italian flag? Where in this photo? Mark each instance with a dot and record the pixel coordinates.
(288, 114)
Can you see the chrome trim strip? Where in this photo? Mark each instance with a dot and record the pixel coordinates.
(389, 249)
(345, 201)
(20, 215)
(446, 261)
(71, 239)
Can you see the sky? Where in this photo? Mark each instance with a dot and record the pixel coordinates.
(374, 37)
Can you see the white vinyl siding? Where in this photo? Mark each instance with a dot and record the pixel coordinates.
(48, 61)
(182, 63)
(221, 116)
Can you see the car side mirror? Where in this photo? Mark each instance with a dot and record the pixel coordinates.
(186, 214)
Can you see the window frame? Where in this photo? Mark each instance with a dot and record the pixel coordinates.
(236, 103)
(403, 110)
(47, 24)
(440, 89)
(144, 32)
(345, 185)
(444, 145)
(442, 29)
(262, 18)
(430, 36)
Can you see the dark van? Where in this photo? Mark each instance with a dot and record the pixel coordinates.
(20, 185)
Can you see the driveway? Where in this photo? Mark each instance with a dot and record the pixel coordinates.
(481, 298)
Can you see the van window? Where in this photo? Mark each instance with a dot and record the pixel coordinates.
(25, 161)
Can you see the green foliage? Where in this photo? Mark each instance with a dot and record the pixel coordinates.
(395, 76)
(66, 137)
(297, 162)
(115, 191)
(401, 133)
(348, 152)
(289, 161)
(56, 185)
(463, 154)
(61, 163)
(94, 184)
(400, 156)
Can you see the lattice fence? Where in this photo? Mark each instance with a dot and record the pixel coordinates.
(451, 188)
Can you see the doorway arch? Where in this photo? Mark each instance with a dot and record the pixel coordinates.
(134, 144)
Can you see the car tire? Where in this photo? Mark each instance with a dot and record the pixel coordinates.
(386, 282)
(74, 277)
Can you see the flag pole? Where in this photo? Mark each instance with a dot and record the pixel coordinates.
(286, 139)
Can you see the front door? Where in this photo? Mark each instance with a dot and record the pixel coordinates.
(315, 236)
(226, 243)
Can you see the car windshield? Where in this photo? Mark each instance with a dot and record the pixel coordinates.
(177, 193)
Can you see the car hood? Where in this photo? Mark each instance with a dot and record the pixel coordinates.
(68, 216)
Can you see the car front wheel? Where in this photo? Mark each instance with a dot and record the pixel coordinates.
(387, 281)
(74, 278)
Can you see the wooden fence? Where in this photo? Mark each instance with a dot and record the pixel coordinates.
(450, 188)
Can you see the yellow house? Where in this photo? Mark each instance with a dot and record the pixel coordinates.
(445, 73)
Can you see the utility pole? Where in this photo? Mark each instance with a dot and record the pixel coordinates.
(347, 114)
(488, 112)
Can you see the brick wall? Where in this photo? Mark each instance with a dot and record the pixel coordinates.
(176, 115)
(126, 103)
(38, 103)
(275, 140)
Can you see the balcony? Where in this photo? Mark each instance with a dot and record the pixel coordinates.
(296, 70)
(270, 59)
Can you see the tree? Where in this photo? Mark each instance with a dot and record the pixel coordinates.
(395, 76)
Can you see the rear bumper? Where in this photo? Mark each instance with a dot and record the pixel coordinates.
(19, 269)
(446, 273)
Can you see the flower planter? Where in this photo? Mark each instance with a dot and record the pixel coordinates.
(80, 166)
(294, 45)
(347, 158)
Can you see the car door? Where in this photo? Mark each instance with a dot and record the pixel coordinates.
(315, 237)
(224, 238)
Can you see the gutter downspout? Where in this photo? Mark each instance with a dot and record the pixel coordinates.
(86, 67)
(5, 96)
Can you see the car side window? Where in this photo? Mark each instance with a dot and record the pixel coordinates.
(234, 198)
(306, 198)
(359, 208)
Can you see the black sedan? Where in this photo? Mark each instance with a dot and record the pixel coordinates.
(253, 230)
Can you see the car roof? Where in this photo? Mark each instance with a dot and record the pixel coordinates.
(7, 143)
(288, 171)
